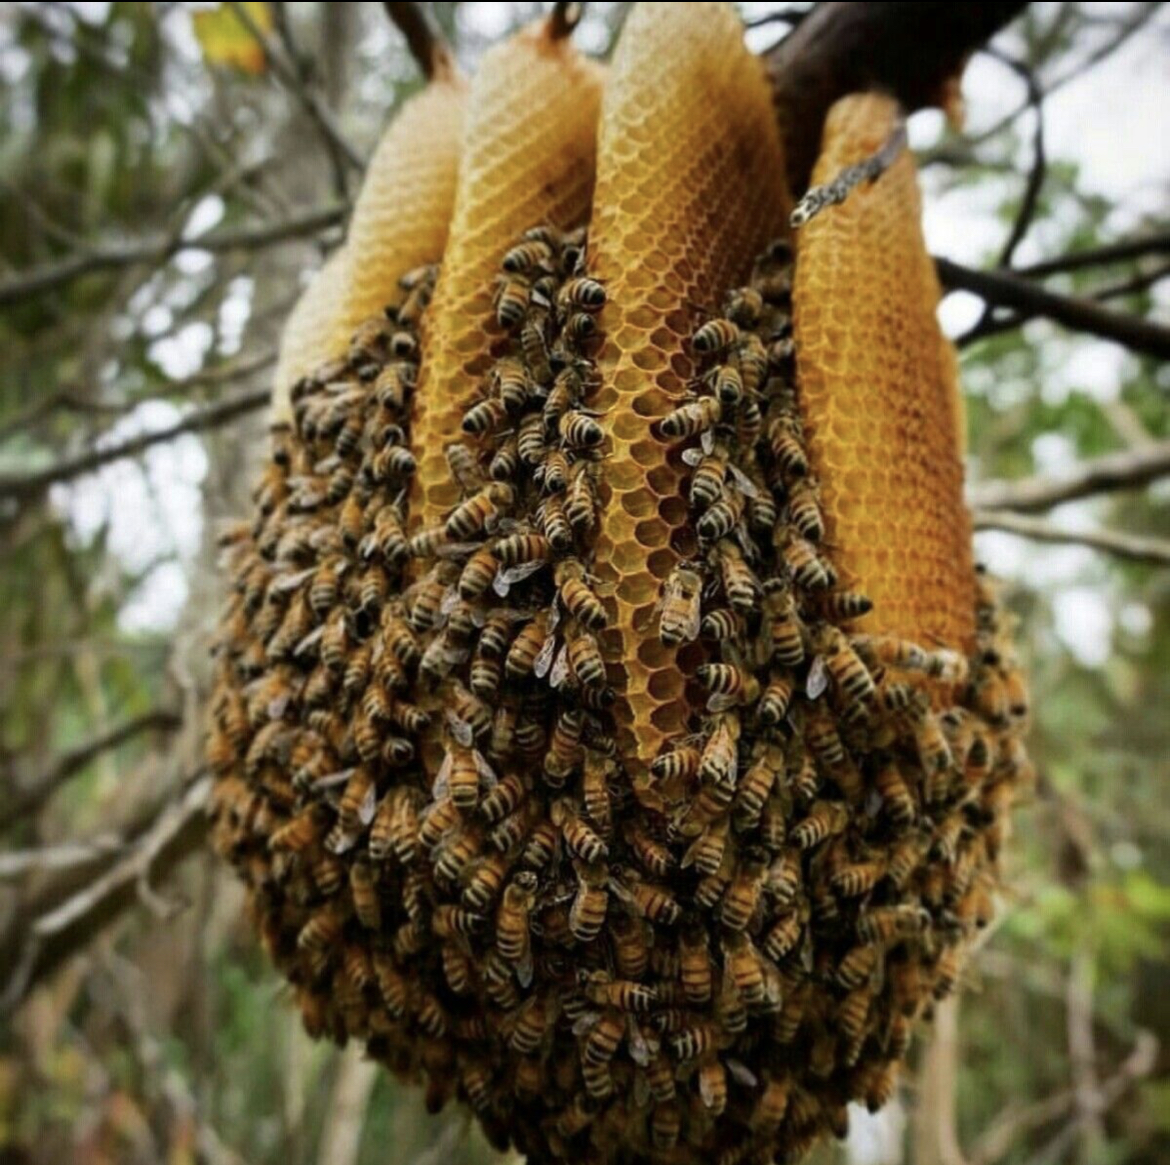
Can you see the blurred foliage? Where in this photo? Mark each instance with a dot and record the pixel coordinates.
(171, 1042)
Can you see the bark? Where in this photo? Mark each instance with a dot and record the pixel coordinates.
(911, 50)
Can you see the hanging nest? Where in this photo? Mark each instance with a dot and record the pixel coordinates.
(611, 728)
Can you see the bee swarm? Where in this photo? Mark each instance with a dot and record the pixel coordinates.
(425, 772)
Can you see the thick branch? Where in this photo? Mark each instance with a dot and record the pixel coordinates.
(1114, 471)
(159, 248)
(1154, 551)
(26, 801)
(1002, 289)
(430, 51)
(910, 50)
(25, 487)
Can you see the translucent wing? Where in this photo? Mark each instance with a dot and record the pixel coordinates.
(741, 1073)
(368, 806)
(692, 457)
(818, 678)
(560, 669)
(544, 660)
(486, 773)
(461, 730)
(747, 487)
(443, 780)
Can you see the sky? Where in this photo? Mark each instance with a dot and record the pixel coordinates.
(1102, 122)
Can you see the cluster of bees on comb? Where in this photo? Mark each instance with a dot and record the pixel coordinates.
(418, 784)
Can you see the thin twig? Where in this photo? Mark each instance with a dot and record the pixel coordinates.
(1003, 289)
(341, 152)
(70, 925)
(26, 801)
(1130, 469)
(26, 487)
(430, 51)
(1125, 30)
(1039, 169)
(1129, 546)
(72, 399)
(158, 248)
(21, 863)
(1119, 252)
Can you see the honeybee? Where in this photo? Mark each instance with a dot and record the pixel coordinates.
(706, 852)
(587, 914)
(753, 790)
(716, 335)
(460, 775)
(581, 502)
(358, 801)
(583, 293)
(512, 923)
(584, 657)
(578, 429)
(740, 584)
(743, 894)
(679, 605)
(484, 880)
(480, 511)
(458, 848)
(691, 418)
(772, 1105)
(605, 991)
(694, 1040)
(319, 938)
(441, 817)
(651, 901)
(822, 737)
(564, 751)
(787, 448)
(579, 328)
(595, 790)
(364, 889)
(776, 700)
(576, 595)
(680, 764)
(839, 606)
(696, 971)
(485, 417)
(534, 345)
(512, 298)
(581, 839)
(851, 881)
(509, 380)
(884, 924)
(542, 845)
(654, 857)
(522, 548)
(665, 1125)
(554, 524)
(784, 935)
(719, 763)
(533, 254)
(722, 625)
(526, 648)
(825, 819)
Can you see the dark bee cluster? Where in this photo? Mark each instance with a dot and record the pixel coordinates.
(418, 782)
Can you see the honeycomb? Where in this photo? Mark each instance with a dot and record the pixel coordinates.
(878, 389)
(562, 741)
(399, 222)
(690, 186)
(309, 330)
(528, 157)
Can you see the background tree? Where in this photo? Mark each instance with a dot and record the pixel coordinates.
(171, 174)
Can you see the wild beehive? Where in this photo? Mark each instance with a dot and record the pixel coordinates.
(611, 728)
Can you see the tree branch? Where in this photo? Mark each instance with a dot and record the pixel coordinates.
(1003, 289)
(1120, 252)
(72, 400)
(63, 929)
(23, 488)
(910, 50)
(1114, 471)
(1129, 546)
(159, 248)
(341, 153)
(564, 17)
(24, 802)
(430, 51)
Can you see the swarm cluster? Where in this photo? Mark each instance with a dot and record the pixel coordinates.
(709, 963)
